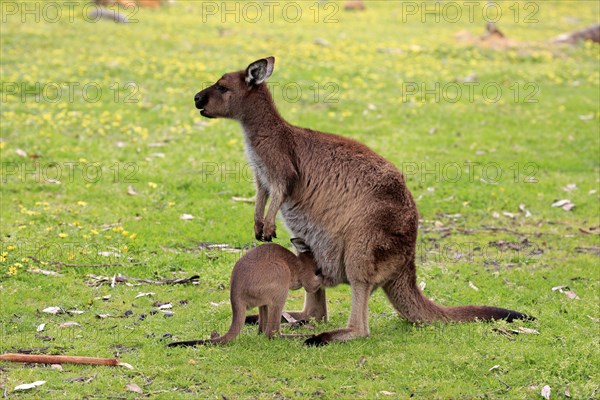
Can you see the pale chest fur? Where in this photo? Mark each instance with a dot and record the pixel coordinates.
(257, 164)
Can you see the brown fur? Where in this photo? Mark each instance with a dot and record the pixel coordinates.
(262, 278)
(351, 206)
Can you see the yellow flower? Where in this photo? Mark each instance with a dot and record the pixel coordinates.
(108, 237)
(133, 236)
(2, 145)
(82, 203)
(152, 185)
(125, 233)
(12, 271)
(62, 235)
(11, 247)
(25, 260)
(94, 232)
(2, 258)
(49, 229)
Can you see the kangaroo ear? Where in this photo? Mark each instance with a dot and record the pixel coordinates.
(300, 245)
(259, 71)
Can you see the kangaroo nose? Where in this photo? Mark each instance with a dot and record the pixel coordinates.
(200, 100)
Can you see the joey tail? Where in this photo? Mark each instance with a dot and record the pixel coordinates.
(237, 322)
(409, 301)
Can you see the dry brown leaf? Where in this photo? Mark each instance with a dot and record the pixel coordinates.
(546, 392)
(131, 191)
(244, 199)
(132, 387)
(53, 310)
(28, 386)
(68, 324)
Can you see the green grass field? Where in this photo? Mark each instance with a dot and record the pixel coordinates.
(103, 152)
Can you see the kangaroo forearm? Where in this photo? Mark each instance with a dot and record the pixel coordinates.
(261, 202)
(277, 199)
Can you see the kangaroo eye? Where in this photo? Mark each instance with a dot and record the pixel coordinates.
(222, 89)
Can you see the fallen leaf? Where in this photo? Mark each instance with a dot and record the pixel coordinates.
(385, 392)
(167, 306)
(244, 199)
(593, 230)
(494, 367)
(186, 217)
(132, 387)
(587, 117)
(472, 286)
(524, 211)
(572, 295)
(362, 361)
(567, 392)
(56, 366)
(564, 204)
(21, 153)
(321, 42)
(570, 187)
(52, 180)
(422, 285)
(40, 327)
(74, 312)
(528, 331)
(495, 215)
(43, 272)
(509, 215)
(131, 191)
(141, 294)
(28, 386)
(102, 316)
(53, 310)
(108, 254)
(68, 324)
(546, 392)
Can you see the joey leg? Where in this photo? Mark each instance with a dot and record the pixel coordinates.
(358, 323)
(263, 318)
(315, 306)
(274, 319)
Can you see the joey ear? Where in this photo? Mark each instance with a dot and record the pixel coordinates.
(259, 71)
(300, 245)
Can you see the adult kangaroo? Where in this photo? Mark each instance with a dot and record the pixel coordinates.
(350, 205)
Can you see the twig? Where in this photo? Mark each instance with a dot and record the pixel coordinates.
(48, 359)
(62, 264)
(494, 228)
(99, 280)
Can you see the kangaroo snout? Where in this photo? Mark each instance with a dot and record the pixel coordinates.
(200, 99)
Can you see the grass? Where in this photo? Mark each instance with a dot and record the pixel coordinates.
(148, 136)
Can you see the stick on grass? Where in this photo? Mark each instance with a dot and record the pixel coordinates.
(49, 359)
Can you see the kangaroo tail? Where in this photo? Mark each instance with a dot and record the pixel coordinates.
(409, 301)
(237, 322)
